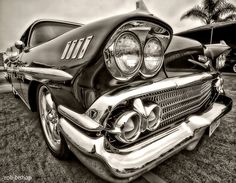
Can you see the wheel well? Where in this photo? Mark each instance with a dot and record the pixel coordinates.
(32, 93)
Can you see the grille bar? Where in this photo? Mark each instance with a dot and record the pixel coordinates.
(177, 103)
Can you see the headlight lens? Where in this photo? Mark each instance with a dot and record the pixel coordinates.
(153, 57)
(127, 53)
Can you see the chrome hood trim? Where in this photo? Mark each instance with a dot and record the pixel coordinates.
(106, 103)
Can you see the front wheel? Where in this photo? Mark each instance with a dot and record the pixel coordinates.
(49, 119)
(234, 68)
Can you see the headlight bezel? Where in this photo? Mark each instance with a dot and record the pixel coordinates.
(140, 51)
(111, 61)
(143, 30)
(144, 71)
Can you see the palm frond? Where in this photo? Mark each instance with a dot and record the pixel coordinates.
(211, 11)
(226, 8)
(211, 5)
(196, 12)
(222, 10)
(229, 18)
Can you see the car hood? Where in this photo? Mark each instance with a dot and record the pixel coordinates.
(50, 53)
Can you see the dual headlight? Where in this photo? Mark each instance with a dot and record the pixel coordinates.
(127, 53)
(136, 49)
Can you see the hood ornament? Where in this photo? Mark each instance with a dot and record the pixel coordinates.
(142, 8)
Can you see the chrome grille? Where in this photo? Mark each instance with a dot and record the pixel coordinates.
(177, 103)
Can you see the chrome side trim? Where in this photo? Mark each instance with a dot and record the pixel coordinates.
(130, 161)
(43, 73)
(81, 120)
(109, 101)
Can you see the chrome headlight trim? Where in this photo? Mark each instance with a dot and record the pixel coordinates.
(139, 50)
(145, 71)
(111, 60)
(143, 30)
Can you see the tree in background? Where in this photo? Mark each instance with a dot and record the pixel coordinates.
(211, 11)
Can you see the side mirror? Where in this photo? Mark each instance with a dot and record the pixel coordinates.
(19, 45)
(12, 54)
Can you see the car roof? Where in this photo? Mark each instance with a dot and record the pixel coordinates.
(209, 26)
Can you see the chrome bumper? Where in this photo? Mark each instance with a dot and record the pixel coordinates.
(126, 164)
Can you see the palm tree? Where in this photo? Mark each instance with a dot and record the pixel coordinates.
(211, 11)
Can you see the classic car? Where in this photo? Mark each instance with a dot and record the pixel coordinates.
(123, 94)
(216, 33)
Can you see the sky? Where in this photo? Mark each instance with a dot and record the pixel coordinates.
(17, 15)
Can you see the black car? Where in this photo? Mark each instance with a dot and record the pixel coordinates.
(223, 32)
(123, 94)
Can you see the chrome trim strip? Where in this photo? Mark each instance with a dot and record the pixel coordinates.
(81, 120)
(66, 50)
(110, 100)
(44, 73)
(78, 46)
(129, 161)
(85, 46)
(72, 46)
(148, 141)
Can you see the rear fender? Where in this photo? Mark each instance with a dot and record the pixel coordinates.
(212, 51)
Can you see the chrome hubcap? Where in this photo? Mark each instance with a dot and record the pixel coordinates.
(234, 68)
(49, 118)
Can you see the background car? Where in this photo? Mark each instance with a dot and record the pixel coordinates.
(216, 33)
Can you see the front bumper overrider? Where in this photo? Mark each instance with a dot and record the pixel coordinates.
(126, 164)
